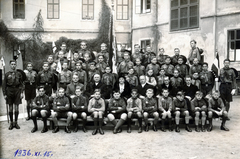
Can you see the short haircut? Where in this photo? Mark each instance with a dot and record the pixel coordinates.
(97, 90)
(216, 91)
(199, 93)
(180, 93)
(40, 87)
(226, 60)
(205, 63)
(29, 63)
(165, 89)
(187, 76)
(152, 57)
(150, 90)
(168, 57)
(45, 63)
(79, 62)
(161, 49)
(116, 91)
(134, 90)
(193, 41)
(61, 88)
(176, 49)
(79, 88)
(12, 61)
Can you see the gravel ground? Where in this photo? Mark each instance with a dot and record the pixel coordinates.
(184, 145)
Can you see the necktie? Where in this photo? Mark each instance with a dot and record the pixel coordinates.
(149, 79)
(133, 103)
(13, 76)
(78, 101)
(42, 103)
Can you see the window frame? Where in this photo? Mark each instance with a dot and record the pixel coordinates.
(122, 10)
(141, 6)
(16, 15)
(87, 18)
(234, 40)
(145, 41)
(53, 4)
(22, 50)
(180, 6)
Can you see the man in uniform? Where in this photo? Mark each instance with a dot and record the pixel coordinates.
(13, 92)
(84, 51)
(228, 83)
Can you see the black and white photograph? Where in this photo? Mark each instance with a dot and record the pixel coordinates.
(119, 79)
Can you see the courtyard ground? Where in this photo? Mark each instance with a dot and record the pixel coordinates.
(184, 145)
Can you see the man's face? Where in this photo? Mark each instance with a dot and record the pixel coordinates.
(166, 81)
(13, 65)
(78, 92)
(138, 61)
(162, 72)
(108, 70)
(75, 55)
(96, 78)
(148, 49)
(149, 94)
(92, 67)
(226, 64)
(176, 51)
(150, 72)
(116, 95)
(165, 93)
(61, 92)
(86, 57)
(199, 96)
(188, 81)
(121, 80)
(100, 59)
(103, 48)
(65, 66)
(126, 56)
(45, 67)
(75, 78)
(61, 55)
(63, 47)
(205, 67)
(142, 79)
(78, 66)
(215, 95)
(41, 92)
(29, 67)
(180, 61)
(50, 59)
(167, 60)
(97, 95)
(176, 73)
(180, 97)
(137, 49)
(195, 75)
(154, 60)
(134, 94)
(195, 61)
(193, 44)
(83, 45)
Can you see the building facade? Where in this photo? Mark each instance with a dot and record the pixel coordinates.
(167, 24)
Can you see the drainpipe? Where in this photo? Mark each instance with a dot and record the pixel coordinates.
(156, 21)
(215, 29)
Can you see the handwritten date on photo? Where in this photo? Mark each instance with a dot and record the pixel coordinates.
(29, 153)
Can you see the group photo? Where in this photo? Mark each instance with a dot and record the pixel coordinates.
(128, 80)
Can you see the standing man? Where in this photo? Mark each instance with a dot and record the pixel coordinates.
(228, 83)
(13, 92)
(194, 52)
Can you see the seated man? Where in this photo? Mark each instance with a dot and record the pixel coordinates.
(79, 109)
(165, 108)
(150, 109)
(180, 108)
(117, 109)
(134, 109)
(96, 107)
(61, 107)
(199, 107)
(216, 108)
(40, 108)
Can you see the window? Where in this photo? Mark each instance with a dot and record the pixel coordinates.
(18, 9)
(184, 14)
(53, 9)
(17, 50)
(143, 6)
(122, 9)
(234, 45)
(87, 9)
(145, 43)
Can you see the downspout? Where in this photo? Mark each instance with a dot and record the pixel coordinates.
(131, 25)
(156, 21)
(215, 29)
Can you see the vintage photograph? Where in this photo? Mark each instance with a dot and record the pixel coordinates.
(119, 79)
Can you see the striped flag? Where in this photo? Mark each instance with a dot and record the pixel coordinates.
(3, 62)
(54, 47)
(59, 67)
(216, 66)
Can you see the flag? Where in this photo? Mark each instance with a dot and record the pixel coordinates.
(113, 46)
(59, 67)
(54, 47)
(3, 62)
(216, 66)
(18, 51)
(69, 55)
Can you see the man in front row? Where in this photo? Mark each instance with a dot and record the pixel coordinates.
(61, 107)
(40, 108)
(216, 108)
